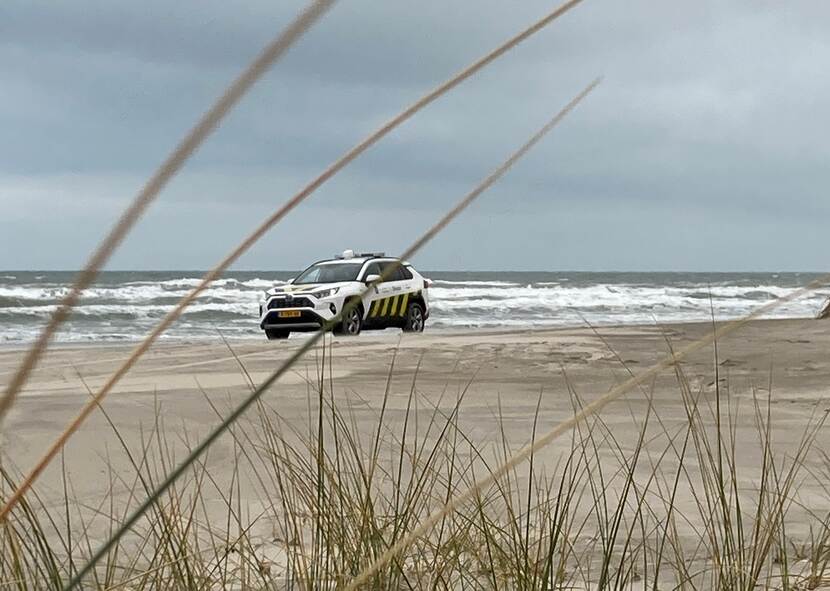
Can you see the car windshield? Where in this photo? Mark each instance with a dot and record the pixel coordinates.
(329, 273)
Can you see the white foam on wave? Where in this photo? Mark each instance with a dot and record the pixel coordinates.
(241, 308)
(263, 283)
(194, 281)
(617, 303)
(133, 292)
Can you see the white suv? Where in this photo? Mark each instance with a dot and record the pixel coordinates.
(320, 292)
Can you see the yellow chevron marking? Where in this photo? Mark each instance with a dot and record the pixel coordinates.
(394, 305)
(385, 306)
(404, 302)
(374, 308)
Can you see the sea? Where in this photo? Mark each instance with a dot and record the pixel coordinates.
(123, 306)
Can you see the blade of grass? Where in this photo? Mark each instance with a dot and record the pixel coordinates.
(172, 476)
(156, 183)
(212, 275)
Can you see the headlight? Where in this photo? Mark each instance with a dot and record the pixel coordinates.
(324, 293)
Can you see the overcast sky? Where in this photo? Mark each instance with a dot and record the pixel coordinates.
(705, 148)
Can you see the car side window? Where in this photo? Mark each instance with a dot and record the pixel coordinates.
(399, 274)
(372, 269)
(393, 274)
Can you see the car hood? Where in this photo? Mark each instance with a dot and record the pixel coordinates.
(304, 288)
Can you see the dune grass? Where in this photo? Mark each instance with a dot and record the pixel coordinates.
(663, 505)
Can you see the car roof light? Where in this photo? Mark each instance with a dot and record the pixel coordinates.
(350, 254)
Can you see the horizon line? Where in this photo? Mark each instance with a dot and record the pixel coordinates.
(664, 271)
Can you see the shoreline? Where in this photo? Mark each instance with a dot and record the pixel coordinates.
(7, 347)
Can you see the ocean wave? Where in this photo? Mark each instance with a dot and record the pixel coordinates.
(124, 306)
(476, 283)
(131, 293)
(194, 281)
(101, 311)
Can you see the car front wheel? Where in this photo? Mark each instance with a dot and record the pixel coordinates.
(414, 318)
(352, 322)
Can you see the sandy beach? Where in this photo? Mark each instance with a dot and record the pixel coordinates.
(504, 374)
(519, 214)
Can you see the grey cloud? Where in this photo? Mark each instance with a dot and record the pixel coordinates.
(711, 114)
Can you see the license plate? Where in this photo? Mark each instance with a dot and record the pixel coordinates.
(290, 314)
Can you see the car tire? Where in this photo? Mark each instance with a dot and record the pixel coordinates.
(414, 318)
(275, 334)
(352, 322)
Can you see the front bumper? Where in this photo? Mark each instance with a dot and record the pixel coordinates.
(280, 312)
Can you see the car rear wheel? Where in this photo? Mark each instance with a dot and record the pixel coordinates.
(275, 334)
(414, 318)
(352, 322)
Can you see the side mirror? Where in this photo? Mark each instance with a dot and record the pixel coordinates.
(290, 281)
(371, 278)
